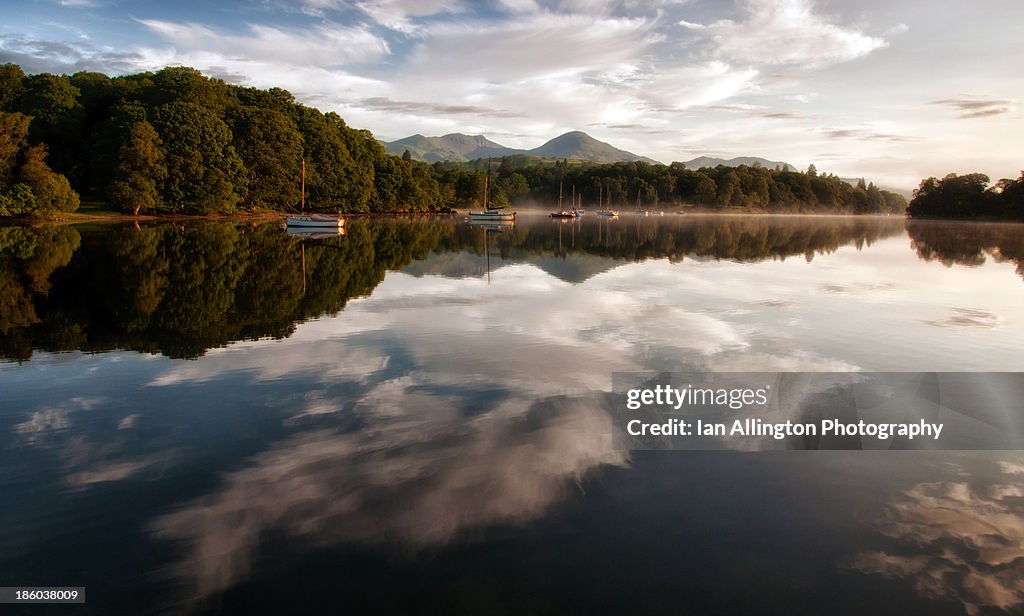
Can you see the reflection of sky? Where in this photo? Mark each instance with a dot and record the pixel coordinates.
(957, 541)
(439, 405)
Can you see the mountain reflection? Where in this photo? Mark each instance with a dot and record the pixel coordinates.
(181, 289)
(418, 475)
(957, 541)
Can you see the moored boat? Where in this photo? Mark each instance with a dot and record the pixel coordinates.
(313, 220)
(490, 213)
(316, 220)
(491, 216)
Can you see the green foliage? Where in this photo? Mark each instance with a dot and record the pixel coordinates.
(11, 77)
(51, 190)
(270, 145)
(223, 147)
(965, 196)
(139, 172)
(13, 141)
(17, 200)
(621, 185)
(204, 172)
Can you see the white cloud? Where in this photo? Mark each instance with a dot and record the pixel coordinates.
(967, 544)
(417, 476)
(785, 32)
(541, 46)
(690, 86)
(398, 14)
(48, 422)
(325, 45)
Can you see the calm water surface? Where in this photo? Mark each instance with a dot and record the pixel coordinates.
(223, 418)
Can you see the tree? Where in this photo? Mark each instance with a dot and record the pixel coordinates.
(51, 190)
(52, 102)
(140, 170)
(13, 140)
(270, 145)
(204, 172)
(954, 196)
(11, 77)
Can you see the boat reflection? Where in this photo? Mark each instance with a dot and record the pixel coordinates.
(315, 233)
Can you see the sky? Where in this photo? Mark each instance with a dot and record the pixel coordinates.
(894, 91)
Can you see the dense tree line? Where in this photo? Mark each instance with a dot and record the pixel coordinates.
(521, 180)
(968, 196)
(175, 141)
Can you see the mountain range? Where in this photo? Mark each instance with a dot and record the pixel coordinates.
(457, 147)
(750, 161)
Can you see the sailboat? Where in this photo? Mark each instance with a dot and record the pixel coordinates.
(313, 220)
(639, 210)
(610, 213)
(491, 214)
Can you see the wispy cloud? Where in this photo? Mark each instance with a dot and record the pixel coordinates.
(785, 32)
(398, 14)
(762, 112)
(325, 45)
(36, 55)
(542, 45)
(976, 107)
(386, 104)
(863, 134)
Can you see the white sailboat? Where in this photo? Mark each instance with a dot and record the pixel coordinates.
(313, 220)
(491, 214)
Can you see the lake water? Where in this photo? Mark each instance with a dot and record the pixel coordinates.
(223, 418)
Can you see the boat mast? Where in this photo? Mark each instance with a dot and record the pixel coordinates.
(487, 187)
(302, 207)
(559, 195)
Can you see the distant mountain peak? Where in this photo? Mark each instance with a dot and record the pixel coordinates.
(750, 161)
(459, 147)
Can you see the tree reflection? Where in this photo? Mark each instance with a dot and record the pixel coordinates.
(181, 289)
(970, 244)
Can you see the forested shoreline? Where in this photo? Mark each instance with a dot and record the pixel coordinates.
(969, 197)
(519, 180)
(175, 142)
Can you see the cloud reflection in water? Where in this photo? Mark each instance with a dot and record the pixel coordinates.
(417, 476)
(956, 542)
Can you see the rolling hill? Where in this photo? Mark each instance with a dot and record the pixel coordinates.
(708, 161)
(456, 147)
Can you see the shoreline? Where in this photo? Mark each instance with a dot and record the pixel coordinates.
(75, 218)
